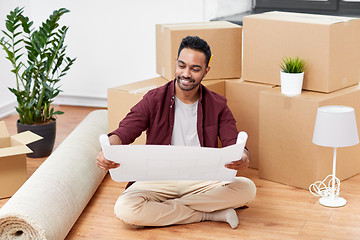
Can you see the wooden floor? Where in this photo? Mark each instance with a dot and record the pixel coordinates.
(278, 212)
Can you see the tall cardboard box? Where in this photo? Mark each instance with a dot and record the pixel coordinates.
(13, 150)
(329, 45)
(286, 152)
(122, 98)
(224, 39)
(243, 101)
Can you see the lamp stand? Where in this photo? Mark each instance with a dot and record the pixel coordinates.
(332, 200)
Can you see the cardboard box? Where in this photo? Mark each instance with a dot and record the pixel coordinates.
(217, 86)
(122, 98)
(328, 44)
(13, 150)
(286, 152)
(243, 101)
(224, 39)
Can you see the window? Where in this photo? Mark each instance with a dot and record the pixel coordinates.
(333, 7)
(298, 4)
(351, 7)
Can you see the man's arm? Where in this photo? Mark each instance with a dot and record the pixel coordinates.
(129, 129)
(102, 162)
(135, 122)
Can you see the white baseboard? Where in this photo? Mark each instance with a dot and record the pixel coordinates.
(81, 101)
(7, 109)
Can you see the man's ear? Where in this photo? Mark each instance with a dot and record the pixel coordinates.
(207, 69)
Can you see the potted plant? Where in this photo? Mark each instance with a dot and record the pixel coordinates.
(38, 61)
(292, 75)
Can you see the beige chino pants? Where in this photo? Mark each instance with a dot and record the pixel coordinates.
(165, 203)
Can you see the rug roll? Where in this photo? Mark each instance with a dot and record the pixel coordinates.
(52, 199)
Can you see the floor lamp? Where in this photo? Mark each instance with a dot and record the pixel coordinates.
(335, 127)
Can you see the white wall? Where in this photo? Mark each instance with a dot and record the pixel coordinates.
(113, 41)
(222, 8)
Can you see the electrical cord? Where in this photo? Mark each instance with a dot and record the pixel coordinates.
(321, 189)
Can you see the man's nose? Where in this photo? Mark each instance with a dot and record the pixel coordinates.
(187, 73)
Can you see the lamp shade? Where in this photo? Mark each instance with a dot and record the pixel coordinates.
(335, 126)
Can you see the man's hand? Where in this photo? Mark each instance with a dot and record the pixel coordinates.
(102, 162)
(241, 164)
(105, 164)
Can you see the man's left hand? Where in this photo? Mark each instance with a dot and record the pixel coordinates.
(241, 164)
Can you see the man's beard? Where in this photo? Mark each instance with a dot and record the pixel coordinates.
(178, 78)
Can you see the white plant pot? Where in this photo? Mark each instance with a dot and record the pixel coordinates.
(291, 83)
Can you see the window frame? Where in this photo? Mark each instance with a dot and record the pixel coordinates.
(329, 7)
(349, 8)
(297, 4)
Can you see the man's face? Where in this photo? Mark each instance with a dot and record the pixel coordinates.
(190, 69)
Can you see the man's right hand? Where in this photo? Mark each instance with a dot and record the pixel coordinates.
(105, 164)
(102, 162)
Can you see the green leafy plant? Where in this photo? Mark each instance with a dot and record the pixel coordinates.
(39, 62)
(293, 65)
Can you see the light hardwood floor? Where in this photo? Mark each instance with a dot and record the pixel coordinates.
(278, 212)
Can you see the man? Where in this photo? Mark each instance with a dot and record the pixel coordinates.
(182, 112)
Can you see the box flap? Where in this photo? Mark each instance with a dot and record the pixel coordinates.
(302, 17)
(26, 137)
(15, 150)
(199, 25)
(3, 130)
(142, 86)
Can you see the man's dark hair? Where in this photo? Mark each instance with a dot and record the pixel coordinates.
(198, 44)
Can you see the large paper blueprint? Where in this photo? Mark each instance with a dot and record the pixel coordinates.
(166, 162)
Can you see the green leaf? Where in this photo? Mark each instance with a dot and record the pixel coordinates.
(8, 35)
(58, 113)
(292, 65)
(9, 26)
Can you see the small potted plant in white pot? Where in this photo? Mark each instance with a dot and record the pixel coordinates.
(292, 75)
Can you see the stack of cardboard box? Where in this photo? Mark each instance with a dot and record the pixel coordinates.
(280, 128)
(330, 46)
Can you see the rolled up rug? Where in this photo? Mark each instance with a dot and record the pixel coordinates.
(52, 199)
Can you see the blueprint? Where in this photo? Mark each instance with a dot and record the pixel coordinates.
(167, 162)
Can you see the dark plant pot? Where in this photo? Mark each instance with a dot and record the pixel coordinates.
(43, 147)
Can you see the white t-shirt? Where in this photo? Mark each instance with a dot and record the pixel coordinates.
(185, 124)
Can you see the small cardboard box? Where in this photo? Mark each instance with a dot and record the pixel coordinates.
(13, 150)
(224, 39)
(243, 101)
(328, 44)
(124, 97)
(286, 152)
